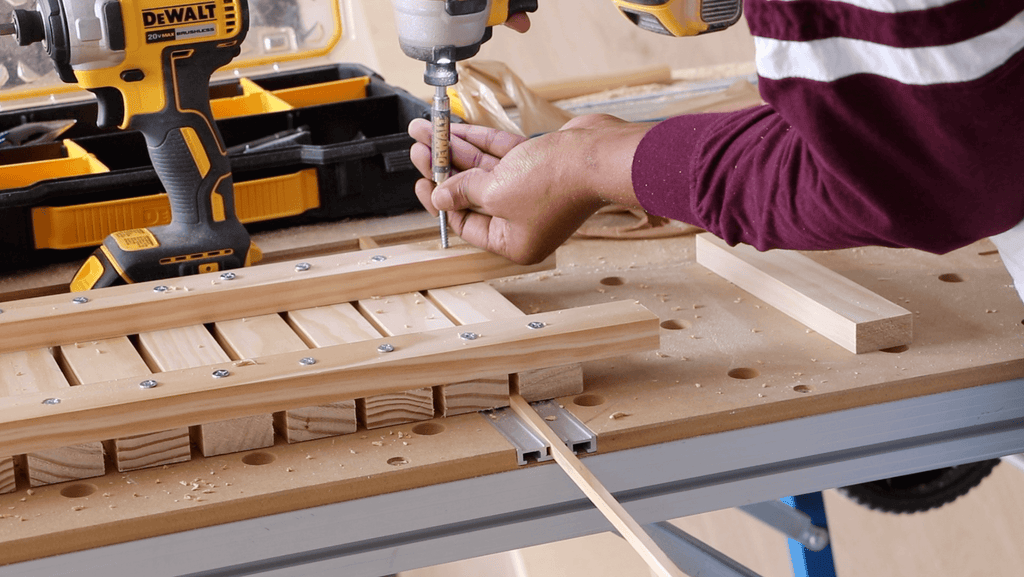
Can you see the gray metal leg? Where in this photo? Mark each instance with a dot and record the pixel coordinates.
(790, 522)
(692, 556)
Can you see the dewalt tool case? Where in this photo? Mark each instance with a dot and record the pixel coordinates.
(309, 140)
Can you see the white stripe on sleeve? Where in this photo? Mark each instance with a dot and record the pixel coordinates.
(834, 58)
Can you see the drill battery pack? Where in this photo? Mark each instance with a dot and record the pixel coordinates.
(310, 138)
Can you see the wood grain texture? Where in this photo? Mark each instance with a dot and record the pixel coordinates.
(409, 313)
(264, 335)
(839, 309)
(194, 346)
(36, 371)
(478, 302)
(119, 408)
(7, 480)
(96, 361)
(204, 298)
(592, 487)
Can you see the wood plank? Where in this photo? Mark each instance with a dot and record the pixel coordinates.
(839, 309)
(413, 312)
(350, 371)
(323, 327)
(116, 358)
(194, 346)
(36, 373)
(7, 479)
(204, 298)
(267, 335)
(592, 487)
(479, 302)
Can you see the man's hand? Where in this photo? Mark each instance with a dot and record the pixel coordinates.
(522, 198)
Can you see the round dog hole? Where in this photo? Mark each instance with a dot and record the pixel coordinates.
(78, 490)
(675, 324)
(951, 277)
(427, 429)
(398, 461)
(613, 281)
(743, 373)
(260, 458)
(802, 388)
(589, 400)
(896, 349)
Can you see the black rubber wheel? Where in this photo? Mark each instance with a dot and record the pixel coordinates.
(920, 491)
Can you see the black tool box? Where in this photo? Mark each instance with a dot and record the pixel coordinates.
(312, 145)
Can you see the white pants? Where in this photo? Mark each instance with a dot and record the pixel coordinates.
(1011, 249)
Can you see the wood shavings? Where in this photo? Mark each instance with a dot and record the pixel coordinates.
(244, 362)
(618, 415)
(551, 418)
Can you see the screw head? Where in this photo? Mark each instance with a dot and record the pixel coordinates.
(160, 288)
(536, 325)
(378, 258)
(221, 373)
(303, 266)
(385, 348)
(1, 311)
(468, 336)
(147, 384)
(227, 275)
(80, 300)
(51, 401)
(307, 361)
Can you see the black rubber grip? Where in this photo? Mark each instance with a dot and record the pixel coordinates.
(515, 6)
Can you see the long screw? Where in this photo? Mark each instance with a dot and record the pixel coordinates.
(441, 158)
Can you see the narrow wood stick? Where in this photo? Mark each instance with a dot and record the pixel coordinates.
(634, 534)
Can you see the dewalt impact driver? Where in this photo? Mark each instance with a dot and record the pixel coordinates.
(149, 64)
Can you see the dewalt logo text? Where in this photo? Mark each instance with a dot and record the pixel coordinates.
(172, 15)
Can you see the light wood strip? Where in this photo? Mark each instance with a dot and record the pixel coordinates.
(97, 361)
(832, 305)
(36, 373)
(194, 346)
(264, 335)
(273, 288)
(120, 408)
(592, 487)
(479, 302)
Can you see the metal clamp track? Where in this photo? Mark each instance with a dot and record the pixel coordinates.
(531, 448)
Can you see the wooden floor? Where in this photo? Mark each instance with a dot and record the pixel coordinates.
(981, 534)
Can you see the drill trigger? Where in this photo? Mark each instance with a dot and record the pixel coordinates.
(111, 106)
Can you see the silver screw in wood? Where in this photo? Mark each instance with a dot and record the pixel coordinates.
(303, 267)
(385, 348)
(468, 336)
(307, 361)
(221, 373)
(160, 288)
(227, 275)
(378, 258)
(80, 300)
(536, 325)
(51, 401)
(147, 384)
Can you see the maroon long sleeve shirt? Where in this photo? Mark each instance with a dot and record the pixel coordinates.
(889, 122)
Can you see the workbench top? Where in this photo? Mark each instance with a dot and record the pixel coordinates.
(727, 362)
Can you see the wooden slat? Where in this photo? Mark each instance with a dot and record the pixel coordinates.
(413, 312)
(197, 299)
(592, 487)
(120, 408)
(324, 327)
(194, 346)
(7, 480)
(479, 302)
(36, 373)
(98, 361)
(268, 335)
(839, 309)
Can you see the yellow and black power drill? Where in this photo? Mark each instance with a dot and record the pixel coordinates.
(149, 64)
(681, 17)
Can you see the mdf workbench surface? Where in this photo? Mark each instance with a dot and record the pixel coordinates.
(728, 366)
